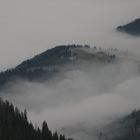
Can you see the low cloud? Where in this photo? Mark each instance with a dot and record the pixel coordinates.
(93, 95)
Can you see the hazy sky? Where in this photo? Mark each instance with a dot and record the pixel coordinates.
(28, 27)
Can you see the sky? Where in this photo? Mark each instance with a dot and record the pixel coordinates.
(31, 26)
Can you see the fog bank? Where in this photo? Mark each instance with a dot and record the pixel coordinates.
(92, 96)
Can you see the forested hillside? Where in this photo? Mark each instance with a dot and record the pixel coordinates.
(14, 125)
(41, 67)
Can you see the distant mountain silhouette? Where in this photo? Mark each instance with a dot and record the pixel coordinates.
(132, 28)
(40, 66)
(127, 128)
(48, 63)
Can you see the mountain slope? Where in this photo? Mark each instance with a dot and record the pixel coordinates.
(127, 128)
(14, 125)
(39, 65)
(132, 28)
(48, 63)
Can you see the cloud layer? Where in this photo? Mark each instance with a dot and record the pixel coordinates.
(92, 96)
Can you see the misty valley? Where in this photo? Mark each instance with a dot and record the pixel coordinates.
(83, 92)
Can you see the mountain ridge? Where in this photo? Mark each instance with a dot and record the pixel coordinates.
(43, 66)
(132, 28)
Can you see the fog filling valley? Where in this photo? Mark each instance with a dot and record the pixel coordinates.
(89, 97)
(76, 102)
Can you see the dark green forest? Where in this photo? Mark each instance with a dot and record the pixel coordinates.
(14, 125)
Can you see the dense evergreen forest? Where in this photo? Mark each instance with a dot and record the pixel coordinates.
(14, 125)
